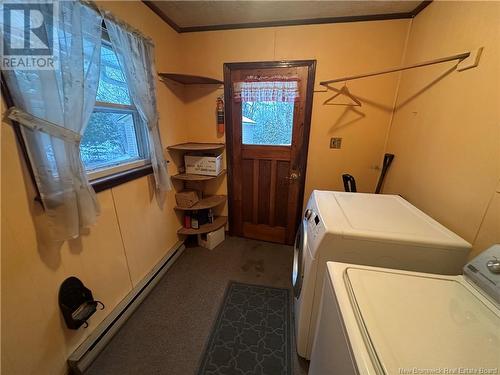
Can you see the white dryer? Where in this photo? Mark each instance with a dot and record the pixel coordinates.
(368, 229)
(379, 321)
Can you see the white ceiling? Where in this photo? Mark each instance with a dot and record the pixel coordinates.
(187, 14)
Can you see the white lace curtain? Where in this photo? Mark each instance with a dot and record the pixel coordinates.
(136, 57)
(54, 107)
(266, 89)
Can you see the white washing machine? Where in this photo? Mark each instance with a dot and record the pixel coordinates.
(369, 229)
(379, 321)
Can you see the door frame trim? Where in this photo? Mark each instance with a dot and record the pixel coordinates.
(228, 68)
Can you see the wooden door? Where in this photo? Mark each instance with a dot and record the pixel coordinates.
(267, 163)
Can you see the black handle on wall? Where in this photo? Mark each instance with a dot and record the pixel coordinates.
(388, 158)
(349, 183)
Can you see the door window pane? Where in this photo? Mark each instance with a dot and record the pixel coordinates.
(267, 123)
(110, 139)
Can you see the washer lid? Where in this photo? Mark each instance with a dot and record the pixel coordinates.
(391, 218)
(416, 321)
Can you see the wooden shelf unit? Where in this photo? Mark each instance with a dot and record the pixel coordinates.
(189, 79)
(196, 146)
(219, 221)
(205, 203)
(197, 177)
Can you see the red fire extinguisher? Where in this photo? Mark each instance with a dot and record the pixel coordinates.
(220, 115)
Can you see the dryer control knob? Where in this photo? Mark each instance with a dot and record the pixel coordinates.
(494, 265)
(308, 214)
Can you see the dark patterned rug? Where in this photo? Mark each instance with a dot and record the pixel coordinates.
(252, 334)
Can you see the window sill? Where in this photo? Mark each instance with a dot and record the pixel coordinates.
(108, 182)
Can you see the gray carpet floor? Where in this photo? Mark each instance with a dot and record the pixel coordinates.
(167, 334)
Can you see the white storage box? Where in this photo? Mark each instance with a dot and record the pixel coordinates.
(204, 165)
(210, 240)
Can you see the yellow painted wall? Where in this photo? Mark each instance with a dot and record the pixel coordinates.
(340, 49)
(446, 128)
(452, 175)
(131, 235)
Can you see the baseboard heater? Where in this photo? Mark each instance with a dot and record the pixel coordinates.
(81, 359)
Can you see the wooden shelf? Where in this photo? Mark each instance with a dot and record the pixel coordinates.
(196, 177)
(186, 178)
(205, 203)
(194, 146)
(189, 79)
(219, 221)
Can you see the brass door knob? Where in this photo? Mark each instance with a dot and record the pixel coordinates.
(293, 177)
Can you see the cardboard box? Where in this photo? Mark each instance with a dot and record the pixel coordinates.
(187, 198)
(204, 165)
(211, 240)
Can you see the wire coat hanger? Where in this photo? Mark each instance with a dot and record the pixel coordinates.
(344, 91)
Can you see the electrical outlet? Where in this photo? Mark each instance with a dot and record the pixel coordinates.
(335, 142)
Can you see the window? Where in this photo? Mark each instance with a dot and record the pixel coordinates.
(115, 138)
(267, 123)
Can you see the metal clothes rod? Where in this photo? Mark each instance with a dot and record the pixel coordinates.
(460, 56)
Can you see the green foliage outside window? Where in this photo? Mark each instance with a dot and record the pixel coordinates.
(111, 135)
(271, 123)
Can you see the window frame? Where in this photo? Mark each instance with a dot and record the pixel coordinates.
(98, 182)
(139, 127)
(141, 138)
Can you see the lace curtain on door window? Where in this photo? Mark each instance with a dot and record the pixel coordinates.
(267, 107)
(266, 89)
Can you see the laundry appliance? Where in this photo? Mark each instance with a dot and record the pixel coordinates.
(380, 321)
(367, 229)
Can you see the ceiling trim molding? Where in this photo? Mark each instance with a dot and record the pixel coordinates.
(162, 15)
(312, 21)
(420, 7)
(307, 21)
